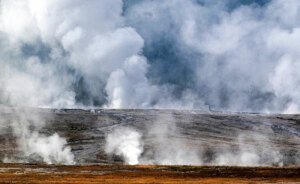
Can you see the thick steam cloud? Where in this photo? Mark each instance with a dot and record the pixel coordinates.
(125, 142)
(229, 55)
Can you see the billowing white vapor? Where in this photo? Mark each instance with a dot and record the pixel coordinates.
(236, 56)
(125, 142)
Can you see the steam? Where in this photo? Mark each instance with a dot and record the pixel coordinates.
(64, 54)
(237, 56)
(125, 142)
(162, 143)
(167, 145)
(247, 154)
(229, 55)
(32, 145)
(51, 149)
(130, 80)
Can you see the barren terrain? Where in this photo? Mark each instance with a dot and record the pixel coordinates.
(210, 132)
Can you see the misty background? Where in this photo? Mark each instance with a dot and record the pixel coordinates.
(233, 55)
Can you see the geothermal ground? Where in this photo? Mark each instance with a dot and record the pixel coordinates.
(270, 144)
(28, 173)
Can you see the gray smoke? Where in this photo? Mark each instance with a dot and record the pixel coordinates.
(230, 55)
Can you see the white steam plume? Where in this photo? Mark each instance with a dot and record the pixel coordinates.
(125, 142)
(235, 56)
(55, 42)
(33, 146)
(52, 149)
(129, 87)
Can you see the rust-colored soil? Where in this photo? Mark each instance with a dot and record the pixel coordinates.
(30, 173)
